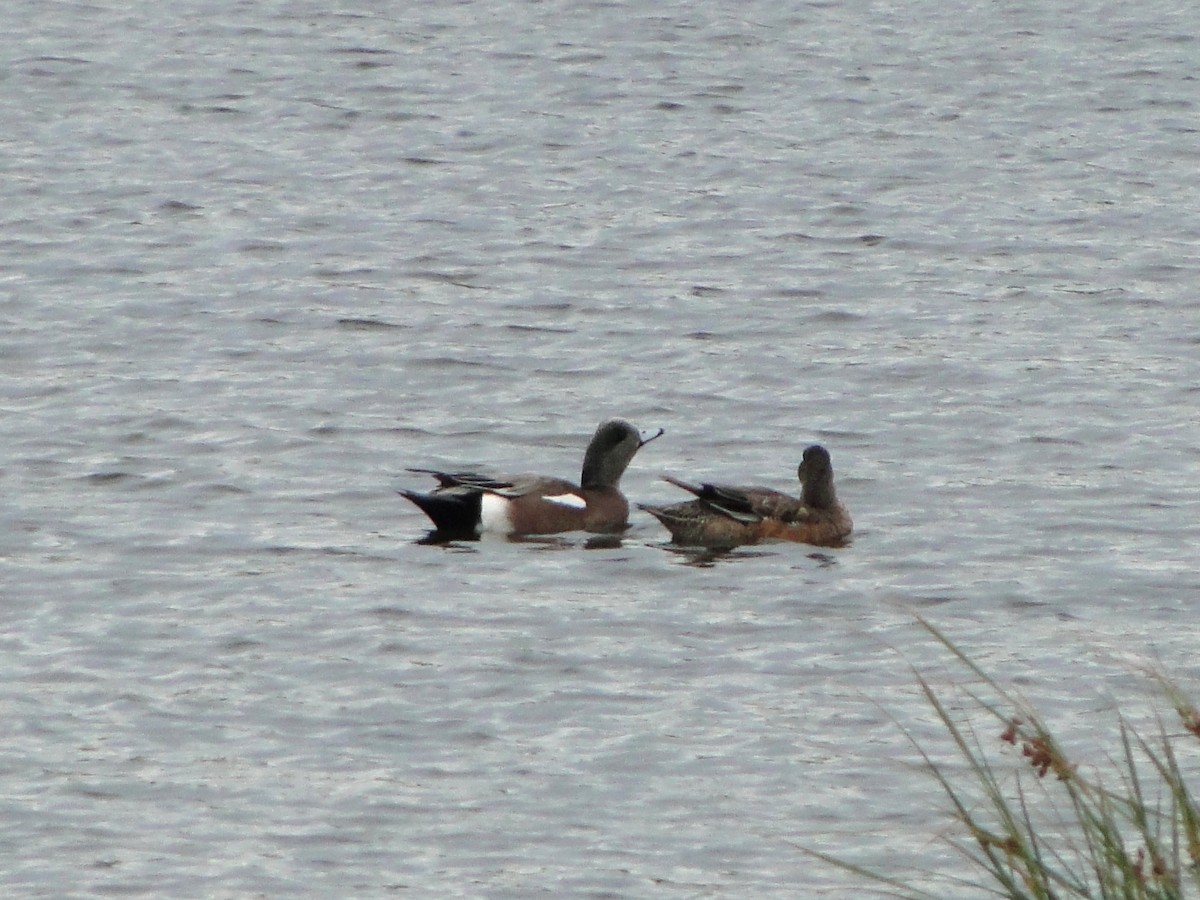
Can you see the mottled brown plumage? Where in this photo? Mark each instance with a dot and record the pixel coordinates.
(726, 516)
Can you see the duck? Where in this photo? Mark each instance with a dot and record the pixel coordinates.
(728, 516)
(469, 504)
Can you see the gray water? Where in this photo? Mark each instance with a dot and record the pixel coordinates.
(256, 259)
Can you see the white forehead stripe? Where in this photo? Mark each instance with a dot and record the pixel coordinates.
(573, 501)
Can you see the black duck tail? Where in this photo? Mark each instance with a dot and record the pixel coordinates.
(453, 513)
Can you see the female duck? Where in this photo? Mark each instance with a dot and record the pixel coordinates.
(726, 516)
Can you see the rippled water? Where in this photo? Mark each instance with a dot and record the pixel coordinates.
(258, 259)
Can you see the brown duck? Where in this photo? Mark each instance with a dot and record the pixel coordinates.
(726, 516)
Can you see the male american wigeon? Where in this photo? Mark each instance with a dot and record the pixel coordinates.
(725, 516)
(467, 503)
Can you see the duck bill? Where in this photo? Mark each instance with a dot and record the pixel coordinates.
(642, 442)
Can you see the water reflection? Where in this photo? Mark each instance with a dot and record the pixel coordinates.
(454, 540)
(698, 557)
(707, 557)
(447, 539)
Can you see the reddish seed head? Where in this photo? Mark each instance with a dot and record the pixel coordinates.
(1191, 719)
(1009, 735)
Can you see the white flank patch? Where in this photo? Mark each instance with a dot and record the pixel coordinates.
(493, 514)
(574, 501)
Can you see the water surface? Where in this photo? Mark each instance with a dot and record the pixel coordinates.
(256, 261)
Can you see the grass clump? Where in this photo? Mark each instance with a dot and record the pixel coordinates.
(1037, 826)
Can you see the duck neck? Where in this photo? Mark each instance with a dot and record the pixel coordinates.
(601, 472)
(819, 494)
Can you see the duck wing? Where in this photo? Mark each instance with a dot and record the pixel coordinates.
(510, 486)
(733, 502)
